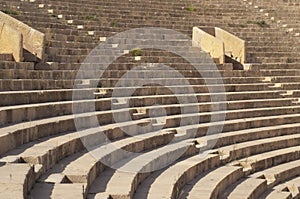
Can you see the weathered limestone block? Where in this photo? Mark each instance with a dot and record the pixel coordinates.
(33, 40)
(234, 46)
(209, 44)
(218, 43)
(11, 42)
(16, 180)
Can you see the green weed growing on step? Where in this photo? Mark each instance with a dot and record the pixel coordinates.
(91, 17)
(114, 24)
(136, 52)
(237, 25)
(260, 23)
(99, 85)
(48, 43)
(191, 9)
(10, 12)
(289, 60)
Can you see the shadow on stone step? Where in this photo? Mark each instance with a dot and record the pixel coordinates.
(29, 57)
(43, 66)
(42, 190)
(236, 65)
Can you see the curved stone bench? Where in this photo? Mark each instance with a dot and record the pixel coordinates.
(260, 182)
(265, 160)
(29, 112)
(215, 182)
(169, 183)
(287, 189)
(125, 180)
(249, 188)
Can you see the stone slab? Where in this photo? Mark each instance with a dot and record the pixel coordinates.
(11, 42)
(33, 40)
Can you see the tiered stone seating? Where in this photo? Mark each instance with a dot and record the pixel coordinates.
(257, 184)
(287, 189)
(43, 154)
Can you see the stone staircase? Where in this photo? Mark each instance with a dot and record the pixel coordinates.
(190, 128)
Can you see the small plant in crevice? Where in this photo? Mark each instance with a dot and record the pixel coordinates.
(10, 12)
(260, 23)
(48, 43)
(237, 25)
(99, 85)
(136, 52)
(289, 60)
(191, 9)
(114, 24)
(91, 17)
(98, 90)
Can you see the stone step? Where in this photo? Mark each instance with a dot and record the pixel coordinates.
(270, 66)
(10, 98)
(279, 173)
(16, 180)
(65, 123)
(70, 141)
(179, 175)
(180, 89)
(34, 84)
(128, 66)
(169, 183)
(21, 113)
(277, 59)
(57, 191)
(286, 189)
(114, 71)
(246, 149)
(265, 160)
(11, 65)
(282, 79)
(6, 57)
(47, 152)
(132, 71)
(278, 152)
(249, 188)
(52, 84)
(279, 194)
(130, 174)
(259, 182)
(215, 182)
